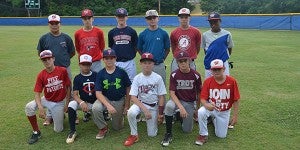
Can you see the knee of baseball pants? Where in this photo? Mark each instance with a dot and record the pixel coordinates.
(188, 122)
(170, 108)
(202, 114)
(30, 108)
(97, 110)
(132, 113)
(73, 105)
(58, 116)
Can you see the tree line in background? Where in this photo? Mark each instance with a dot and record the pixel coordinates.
(139, 7)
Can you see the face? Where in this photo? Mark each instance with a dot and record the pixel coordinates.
(109, 61)
(152, 20)
(48, 62)
(54, 26)
(217, 72)
(87, 21)
(85, 67)
(183, 64)
(147, 65)
(215, 24)
(121, 20)
(184, 20)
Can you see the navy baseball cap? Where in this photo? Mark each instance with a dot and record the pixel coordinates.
(121, 12)
(87, 13)
(214, 16)
(109, 53)
(182, 55)
(147, 56)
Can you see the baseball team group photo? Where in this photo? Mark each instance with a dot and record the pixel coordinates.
(156, 86)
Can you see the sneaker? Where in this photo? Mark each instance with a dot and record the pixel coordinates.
(34, 137)
(86, 116)
(167, 140)
(71, 137)
(77, 121)
(131, 140)
(201, 140)
(102, 133)
(48, 121)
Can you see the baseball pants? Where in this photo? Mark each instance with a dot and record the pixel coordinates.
(161, 70)
(220, 121)
(129, 66)
(56, 108)
(174, 65)
(187, 123)
(134, 110)
(209, 74)
(117, 118)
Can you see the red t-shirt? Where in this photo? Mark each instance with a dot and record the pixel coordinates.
(185, 85)
(54, 84)
(90, 42)
(223, 95)
(186, 40)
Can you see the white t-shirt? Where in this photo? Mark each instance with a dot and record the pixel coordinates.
(148, 88)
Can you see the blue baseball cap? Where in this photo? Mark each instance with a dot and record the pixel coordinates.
(214, 16)
(109, 53)
(121, 12)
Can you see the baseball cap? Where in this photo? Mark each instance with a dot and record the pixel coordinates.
(109, 53)
(121, 12)
(214, 16)
(151, 13)
(46, 54)
(87, 13)
(147, 56)
(217, 63)
(182, 55)
(184, 11)
(54, 18)
(85, 58)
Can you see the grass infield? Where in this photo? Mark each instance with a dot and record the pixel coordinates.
(266, 66)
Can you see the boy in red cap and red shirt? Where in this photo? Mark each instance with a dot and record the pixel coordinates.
(90, 40)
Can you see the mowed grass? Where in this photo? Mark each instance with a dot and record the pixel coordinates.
(266, 65)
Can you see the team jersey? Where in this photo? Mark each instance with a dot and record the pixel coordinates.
(85, 84)
(90, 42)
(61, 46)
(114, 85)
(148, 88)
(53, 83)
(216, 46)
(124, 42)
(186, 40)
(185, 85)
(223, 95)
(154, 42)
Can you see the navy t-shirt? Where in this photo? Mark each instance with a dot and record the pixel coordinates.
(85, 84)
(114, 85)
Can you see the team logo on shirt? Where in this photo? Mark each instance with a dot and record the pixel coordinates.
(185, 84)
(184, 42)
(220, 97)
(146, 88)
(88, 87)
(54, 84)
(116, 84)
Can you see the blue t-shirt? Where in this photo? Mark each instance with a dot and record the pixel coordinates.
(124, 42)
(85, 84)
(114, 85)
(155, 42)
(61, 46)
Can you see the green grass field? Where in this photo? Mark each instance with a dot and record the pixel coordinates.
(266, 65)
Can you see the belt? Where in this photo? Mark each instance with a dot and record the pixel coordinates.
(151, 105)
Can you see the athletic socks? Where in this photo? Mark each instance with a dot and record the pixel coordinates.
(72, 117)
(33, 122)
(169, 120)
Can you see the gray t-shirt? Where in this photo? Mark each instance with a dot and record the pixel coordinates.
(62, 47)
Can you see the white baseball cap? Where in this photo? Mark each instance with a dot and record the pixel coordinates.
(151, 13)
(54, 18)
(85, 58)
(217, 63)
(184, 11)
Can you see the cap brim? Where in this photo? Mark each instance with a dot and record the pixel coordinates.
(214, 19)
(184, 15)
(217, 67)
(183, 58)
(46, 57)
(85, 62)
(145, 59)
(151, 16)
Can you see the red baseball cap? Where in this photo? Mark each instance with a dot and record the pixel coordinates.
(147, 56)
(182, 55)
(87, 13)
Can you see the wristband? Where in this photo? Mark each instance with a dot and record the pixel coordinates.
(81, 103)
(160, 110)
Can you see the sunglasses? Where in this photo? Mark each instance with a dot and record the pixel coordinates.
(151, 17)
(54, 23)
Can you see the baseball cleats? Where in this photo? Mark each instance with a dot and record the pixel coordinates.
(48, 121)
(77, 121)
(71, 137)
(102, 133)
(201, 139)
(34, 137)
(167, 140)
(131, 140)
